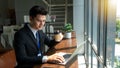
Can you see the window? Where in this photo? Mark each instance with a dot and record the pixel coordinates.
(99, 29)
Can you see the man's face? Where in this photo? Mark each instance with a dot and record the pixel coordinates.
(38, 21)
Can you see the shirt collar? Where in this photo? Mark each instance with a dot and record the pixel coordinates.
(32, 29)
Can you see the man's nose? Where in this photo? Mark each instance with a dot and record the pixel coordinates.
(42, 23)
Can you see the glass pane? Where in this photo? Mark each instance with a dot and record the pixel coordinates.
(95, 62)
(90, 56)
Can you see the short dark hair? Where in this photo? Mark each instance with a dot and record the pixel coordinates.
(37, 10)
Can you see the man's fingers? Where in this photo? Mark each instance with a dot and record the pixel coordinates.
(56, 58)
(59, 59)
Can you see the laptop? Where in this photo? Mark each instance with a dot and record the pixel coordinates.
(70, 56)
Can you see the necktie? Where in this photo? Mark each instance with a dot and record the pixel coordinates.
(38, 40)
(38, 43)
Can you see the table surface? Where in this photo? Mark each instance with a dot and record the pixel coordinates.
(67, 46)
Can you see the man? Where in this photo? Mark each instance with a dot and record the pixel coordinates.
(29, 51)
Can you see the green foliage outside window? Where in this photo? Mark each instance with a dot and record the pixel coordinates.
(117, 62)
(118, 25)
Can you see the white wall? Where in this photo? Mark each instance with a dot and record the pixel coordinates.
(78, 19)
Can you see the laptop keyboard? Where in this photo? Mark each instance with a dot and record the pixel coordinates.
(66, 56)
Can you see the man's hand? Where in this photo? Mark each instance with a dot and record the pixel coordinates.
(55, 58)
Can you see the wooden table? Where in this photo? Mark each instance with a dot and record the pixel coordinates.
(66, 45)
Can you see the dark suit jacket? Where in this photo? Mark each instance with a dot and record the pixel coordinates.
(26, 49)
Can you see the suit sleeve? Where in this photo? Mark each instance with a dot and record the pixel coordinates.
(20, 50)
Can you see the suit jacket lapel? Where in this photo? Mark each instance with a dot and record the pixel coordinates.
(40, 36)
(29, 32)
